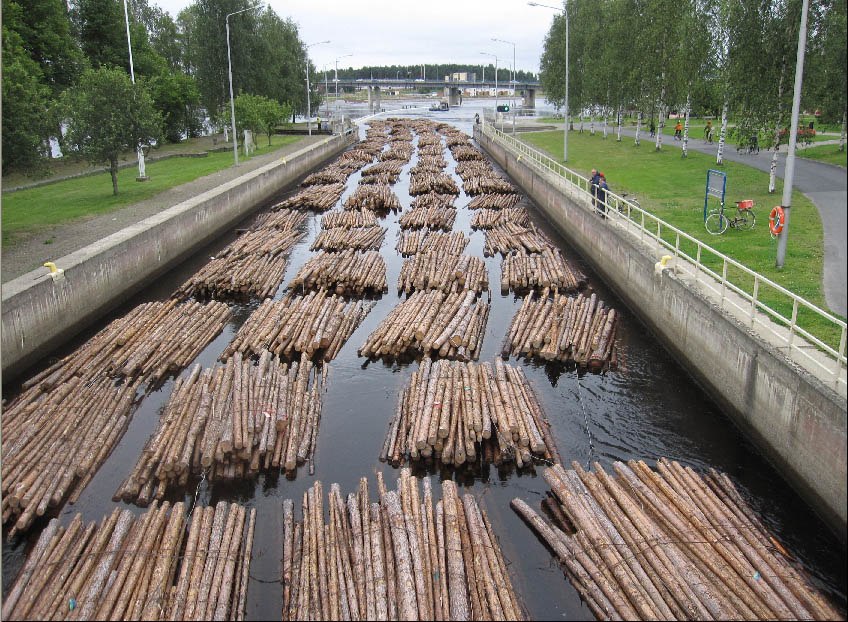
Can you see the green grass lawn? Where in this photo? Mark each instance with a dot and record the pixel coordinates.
(672, 188)
(27, 211)
(825, 153)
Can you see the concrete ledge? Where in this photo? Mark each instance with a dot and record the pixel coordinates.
(796, 420)
(39, 314)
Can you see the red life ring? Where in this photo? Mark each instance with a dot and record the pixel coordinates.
(776, 220)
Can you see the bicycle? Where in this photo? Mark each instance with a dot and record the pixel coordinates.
(717, 222)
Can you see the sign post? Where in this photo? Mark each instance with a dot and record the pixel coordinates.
(716, 187)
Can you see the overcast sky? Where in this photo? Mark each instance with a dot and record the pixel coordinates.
(404, 32)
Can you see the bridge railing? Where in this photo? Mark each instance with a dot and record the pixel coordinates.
(717, 272)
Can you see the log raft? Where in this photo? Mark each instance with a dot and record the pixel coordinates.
(408, 557)
(458, 413)
(448, 273)
(668, 544)
(374, 197)
(350, 273)
(426, 241)
(522, 271)
(160, 565)
(345, 238)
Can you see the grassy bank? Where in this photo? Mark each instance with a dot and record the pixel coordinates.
(672, 188)
(826, 153)
(28, 211)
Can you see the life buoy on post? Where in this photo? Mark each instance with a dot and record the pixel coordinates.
(776, 220)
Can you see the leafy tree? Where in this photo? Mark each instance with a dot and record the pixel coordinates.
(260, 114)
(826, 82)
(25, 98)
(100, 28)
(107, 115)
(176, 97)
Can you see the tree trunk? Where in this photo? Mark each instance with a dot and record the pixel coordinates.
(113, 171)
(618, 131)
(722, 134)
(842, 135)
(661, 120)
(773, 167)
(638, 126)
(605, 125)
(685, 152)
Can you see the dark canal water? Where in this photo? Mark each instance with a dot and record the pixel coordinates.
(647, 408)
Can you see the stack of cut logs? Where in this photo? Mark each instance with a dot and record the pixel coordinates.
(252, 265)
(349, 272)
(508, 237)
(424, 241)
(492, 184)
(669, 545)
(451, 325)
(562, 328)
(329, 175)
(432, 199)
(436, 217)
(489, 218)
(376, 197)
(404, 558)
(462, 153)
(382, 173)
(400, 150)
(55, 437)
(316, 322)
(159, 565)
(424, 182)
(319, 198)
(343, 238)
(474, 168)
(361, 155)
(231, 422)
(349, 219)
(494, 201)
(457, 412)
(449, 273)
(521, 271)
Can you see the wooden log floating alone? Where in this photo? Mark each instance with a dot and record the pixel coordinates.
(404, 558)
(350, 272)
(451, 325)
(451, 273)
(458, 412)
(133, 568)
(317, 324)
(579, 329)
(231, 422)
(714, 560)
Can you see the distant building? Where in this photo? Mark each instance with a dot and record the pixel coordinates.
(463, 76)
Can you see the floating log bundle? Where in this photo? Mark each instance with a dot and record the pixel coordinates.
(350, 272)
(361, 155)
(424, 241)
(431, 161)
(382, 179)
(458, 413)
(314, 323)
(282, 219)
(464, 153)
(54, 440)
(376, 197)
(433, 199)
(400, 150)
(489, 218)
(522, 271)
(451, 273)
(159, 565)
(431, 321)
(344, 238)
(474, 168)
(509, 237)
(349, 219)
(319, 197)
(230, 423)
(561, 328)
(441, 183)
(671, 544)
(491, 184)
(329, 175)
(494, 201)
(436, 217)
(391, 167)
(407, 557)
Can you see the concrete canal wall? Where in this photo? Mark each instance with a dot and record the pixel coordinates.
(797, 421)
(39, 314)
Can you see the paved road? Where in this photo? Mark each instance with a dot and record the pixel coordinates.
(827, 187)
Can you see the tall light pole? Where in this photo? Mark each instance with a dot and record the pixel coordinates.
(230, 72)
(142, 175)
(336, 79)
(513, 78)
(308, 94)
(564, 10)
(789, 173)
(496, 84)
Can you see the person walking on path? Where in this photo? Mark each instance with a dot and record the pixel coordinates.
(594, 182)
(708, 132)
(678, 131)
(653, 129)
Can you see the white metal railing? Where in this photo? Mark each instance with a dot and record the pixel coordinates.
(619, 210)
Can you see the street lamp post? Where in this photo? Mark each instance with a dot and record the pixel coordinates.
(230, 73)
(336, 79)
(513, 78)
(142, 175)
(564, 10)
(496, 84)
(308, 94)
